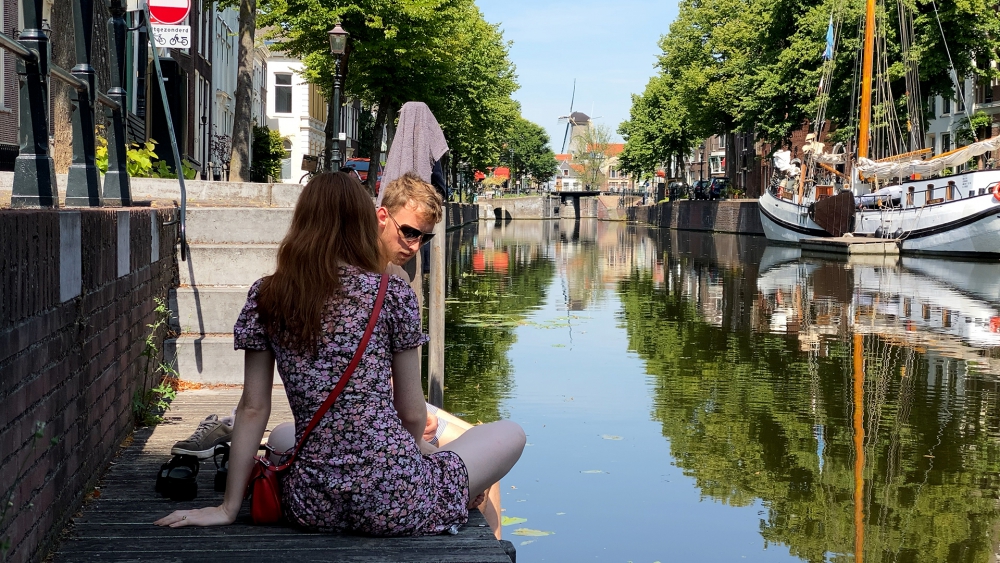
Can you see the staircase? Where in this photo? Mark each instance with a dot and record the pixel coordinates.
(229, 249)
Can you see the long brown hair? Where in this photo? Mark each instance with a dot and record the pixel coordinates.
(334, 224)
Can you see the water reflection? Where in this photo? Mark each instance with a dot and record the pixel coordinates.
(850, 405)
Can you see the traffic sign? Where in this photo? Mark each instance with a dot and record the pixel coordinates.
(168, 11)
(172, 36)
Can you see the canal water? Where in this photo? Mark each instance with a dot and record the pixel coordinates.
(707, 397)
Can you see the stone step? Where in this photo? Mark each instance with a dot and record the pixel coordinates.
(206, 359)
(227, 264)
(237, 225)
(206, 309)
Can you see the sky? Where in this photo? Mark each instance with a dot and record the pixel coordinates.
(608, 46)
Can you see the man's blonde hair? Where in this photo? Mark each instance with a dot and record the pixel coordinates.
(410, 191)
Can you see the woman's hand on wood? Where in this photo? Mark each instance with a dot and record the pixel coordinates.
(208, 516)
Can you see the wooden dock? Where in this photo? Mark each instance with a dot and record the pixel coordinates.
(852, 246)
(117, 525)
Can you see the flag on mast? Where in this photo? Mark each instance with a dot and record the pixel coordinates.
(828, 53)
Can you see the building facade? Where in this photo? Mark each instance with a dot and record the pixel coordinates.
(947, 116)
(8, 89)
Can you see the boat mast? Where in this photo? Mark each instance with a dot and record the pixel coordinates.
(866, 80)
(859, 447)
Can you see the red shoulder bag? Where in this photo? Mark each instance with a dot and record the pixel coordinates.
(264, 488)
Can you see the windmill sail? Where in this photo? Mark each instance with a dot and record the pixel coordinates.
(569, 118)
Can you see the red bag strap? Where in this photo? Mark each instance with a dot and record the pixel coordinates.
(347, 373)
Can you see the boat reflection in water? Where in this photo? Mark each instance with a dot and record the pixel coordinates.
(945, 310)
(948, 308)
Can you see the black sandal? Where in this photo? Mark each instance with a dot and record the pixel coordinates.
(221, 469)
(177, 478)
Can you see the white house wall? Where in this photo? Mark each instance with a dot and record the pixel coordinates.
(304, 133)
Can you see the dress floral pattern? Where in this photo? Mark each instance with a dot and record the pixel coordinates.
(360, 470)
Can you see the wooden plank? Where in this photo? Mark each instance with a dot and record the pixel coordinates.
(118, 525)
(435, 315)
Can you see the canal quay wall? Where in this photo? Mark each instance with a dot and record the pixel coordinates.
(538, 207)
(77, 290)
(728, 216)
(740, 216)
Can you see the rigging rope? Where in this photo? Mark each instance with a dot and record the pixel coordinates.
(951, 64)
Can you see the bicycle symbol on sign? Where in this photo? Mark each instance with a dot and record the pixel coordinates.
(179, 41)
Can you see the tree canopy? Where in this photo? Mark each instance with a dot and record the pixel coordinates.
(755, 66)
(441, 52)
(527, 152)
(590, 151)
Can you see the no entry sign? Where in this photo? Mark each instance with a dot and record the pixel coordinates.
(169, 11)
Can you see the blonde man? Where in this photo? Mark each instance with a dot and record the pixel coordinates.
(410, 209)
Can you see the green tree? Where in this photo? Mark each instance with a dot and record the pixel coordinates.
(527, 152)
(267, 154)
(755, 65)
(590, 150)
(440, 52)
(658, 130)
(474, 107)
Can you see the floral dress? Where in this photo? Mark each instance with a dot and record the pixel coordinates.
(360, 470)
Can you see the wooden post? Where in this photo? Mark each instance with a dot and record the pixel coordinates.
(435, 315)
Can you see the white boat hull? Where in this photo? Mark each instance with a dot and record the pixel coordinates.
(967, 226)
(787, 222)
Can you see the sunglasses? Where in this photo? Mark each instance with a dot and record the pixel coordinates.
(410, 234)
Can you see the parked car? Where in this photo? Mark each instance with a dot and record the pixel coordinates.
(716, 188)
(678, 190)
(359, 165)
(719, 188)
(700, 189)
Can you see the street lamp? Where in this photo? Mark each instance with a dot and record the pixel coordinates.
(338, 46)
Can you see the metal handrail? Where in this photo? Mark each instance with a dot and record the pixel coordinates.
(13, 46)
(81, 86)
(34, 170)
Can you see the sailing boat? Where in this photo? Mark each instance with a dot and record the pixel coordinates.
(891, 197)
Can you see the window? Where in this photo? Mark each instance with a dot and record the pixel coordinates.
(960, 103)
(931, 108)
(945, 142)
(722, 141)
(715, 162)
(612, 173)
(945, 106)
(286, 163)
(282, 93)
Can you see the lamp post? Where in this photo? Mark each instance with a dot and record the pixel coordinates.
(338, 46)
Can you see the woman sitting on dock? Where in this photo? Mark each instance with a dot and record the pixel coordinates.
(366, 468)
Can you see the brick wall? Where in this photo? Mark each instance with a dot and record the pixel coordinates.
(76, 294)
(733, 216)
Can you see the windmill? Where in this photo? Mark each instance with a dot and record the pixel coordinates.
(569, 119)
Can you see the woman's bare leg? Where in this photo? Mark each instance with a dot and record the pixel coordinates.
(453, 428)
(489, 451)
